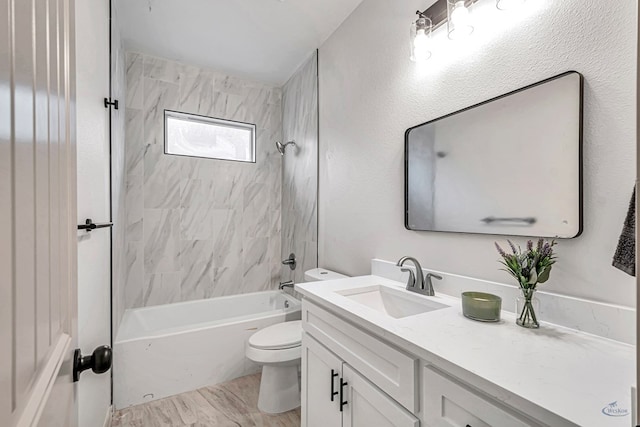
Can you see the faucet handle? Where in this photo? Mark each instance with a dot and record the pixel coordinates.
(428, 284)
(291, 261)
(412, 277)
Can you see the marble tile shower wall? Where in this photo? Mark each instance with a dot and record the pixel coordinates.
(300, 170)
(198, 228)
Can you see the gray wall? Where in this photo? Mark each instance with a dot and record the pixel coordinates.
(300, 170)
(198, 228)
(370, 93)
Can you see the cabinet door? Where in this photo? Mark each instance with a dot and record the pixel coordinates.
(368, 406)
(449, 403)
(321, 373)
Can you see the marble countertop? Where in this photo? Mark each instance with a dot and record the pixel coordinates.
(574, 375)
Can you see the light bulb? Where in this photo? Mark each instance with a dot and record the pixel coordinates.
(509, 4)
(421, 46)
(460, 14)
(459, 21)
(421, 39)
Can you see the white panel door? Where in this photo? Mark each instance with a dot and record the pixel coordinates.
(321, 372)
(94, 248)
(38, 313)
(368, 406)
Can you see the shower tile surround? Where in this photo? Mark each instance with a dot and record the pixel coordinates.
(198, 228)
(300, 170)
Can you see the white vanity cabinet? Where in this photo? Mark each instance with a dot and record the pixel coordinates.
(335, 395)
(390, 369)
(426, 365)
(350, 378)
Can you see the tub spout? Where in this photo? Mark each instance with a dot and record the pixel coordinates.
(287, 284)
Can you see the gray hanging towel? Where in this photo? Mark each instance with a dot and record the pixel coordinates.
(625, 257)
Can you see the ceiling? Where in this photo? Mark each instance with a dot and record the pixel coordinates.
(264, 40)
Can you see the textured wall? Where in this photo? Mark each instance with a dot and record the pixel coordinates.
(370, 93)
(198, 228)
(300, 170)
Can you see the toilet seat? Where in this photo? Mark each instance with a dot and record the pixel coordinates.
(281, 336)
(277, 344)
(275, 357)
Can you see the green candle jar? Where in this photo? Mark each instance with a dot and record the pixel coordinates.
(481, 306)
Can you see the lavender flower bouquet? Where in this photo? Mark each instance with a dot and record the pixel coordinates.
(529, 268)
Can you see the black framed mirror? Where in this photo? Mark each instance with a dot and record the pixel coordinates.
(511, 165)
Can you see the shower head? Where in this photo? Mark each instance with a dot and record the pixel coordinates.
(282, 147)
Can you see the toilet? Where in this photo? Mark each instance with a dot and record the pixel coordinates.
(278, 349)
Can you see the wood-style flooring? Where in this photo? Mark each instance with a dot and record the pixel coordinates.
(232, 404)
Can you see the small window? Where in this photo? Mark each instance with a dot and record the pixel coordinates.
(199, 136)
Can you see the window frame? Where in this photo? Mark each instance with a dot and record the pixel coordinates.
(215, 121)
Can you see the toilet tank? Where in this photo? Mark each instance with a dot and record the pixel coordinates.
(321, 274)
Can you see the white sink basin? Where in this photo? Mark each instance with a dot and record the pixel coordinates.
(392, 302)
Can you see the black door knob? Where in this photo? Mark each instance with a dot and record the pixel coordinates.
(99, 361)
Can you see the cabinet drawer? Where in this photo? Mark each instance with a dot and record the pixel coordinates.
(388, 368)
(449, 403)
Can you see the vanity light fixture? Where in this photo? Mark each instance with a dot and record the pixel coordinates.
(421, 38)
(509, 4)
(460, 21)
(455, 13)
(458, 16)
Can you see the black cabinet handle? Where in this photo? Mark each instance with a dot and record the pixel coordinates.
(333, 392)
(343, 402)
(99, 361)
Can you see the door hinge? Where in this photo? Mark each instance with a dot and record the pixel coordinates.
(108, 102)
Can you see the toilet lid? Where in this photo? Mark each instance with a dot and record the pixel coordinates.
(278, 336)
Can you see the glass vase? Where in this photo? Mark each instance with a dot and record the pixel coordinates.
(526, 307)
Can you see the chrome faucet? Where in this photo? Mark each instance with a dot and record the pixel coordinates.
(287, 284)
(417, 282)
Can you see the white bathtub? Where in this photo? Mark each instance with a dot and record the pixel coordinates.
(169, 349)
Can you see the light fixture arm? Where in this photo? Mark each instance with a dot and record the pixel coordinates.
(437, 12)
